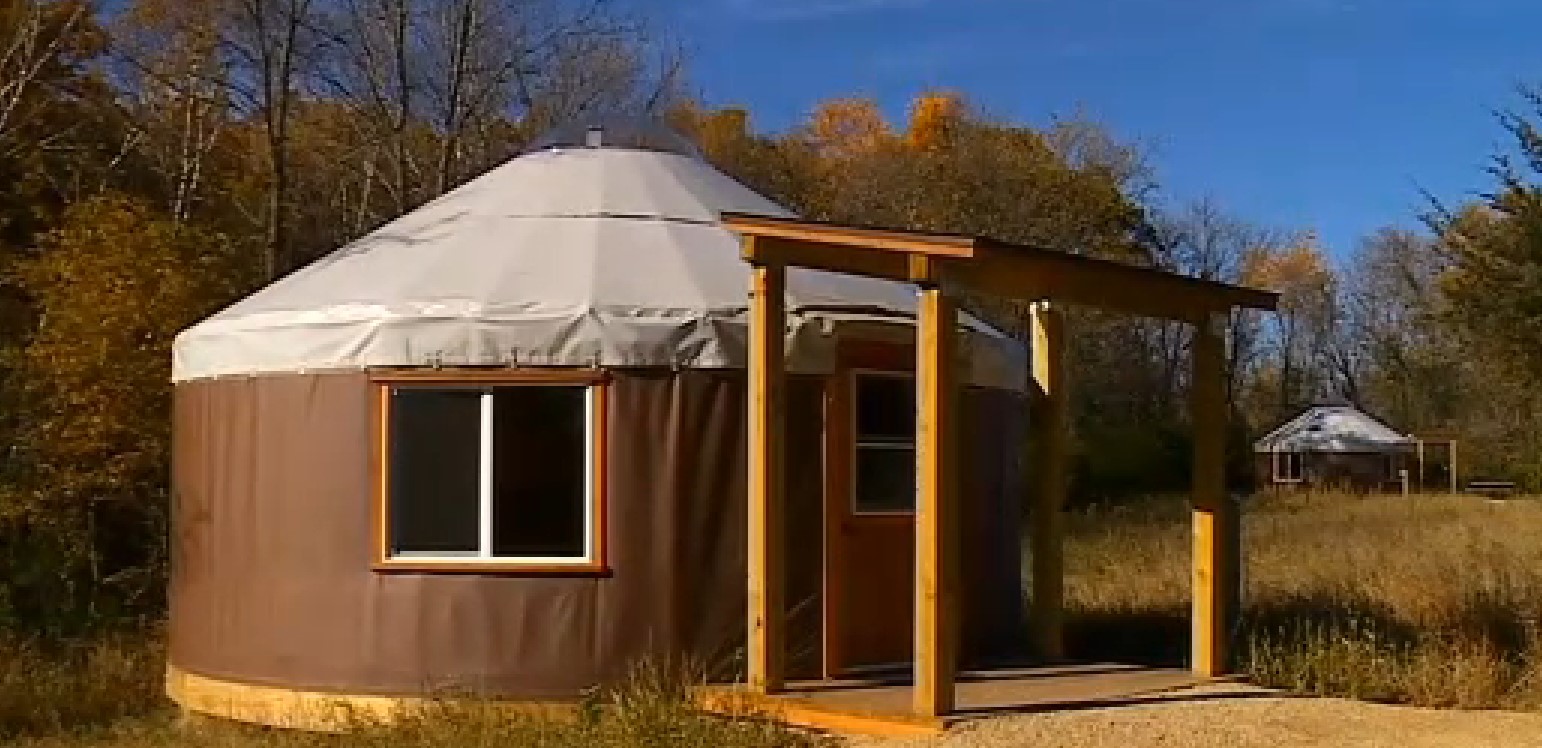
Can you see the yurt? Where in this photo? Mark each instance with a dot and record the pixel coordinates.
(1334, 445)
(497, 446)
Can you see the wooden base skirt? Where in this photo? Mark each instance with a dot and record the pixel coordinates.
(315, 711)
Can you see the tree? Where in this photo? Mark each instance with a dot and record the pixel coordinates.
(848, 128)
(1300, 332)
(42, 45)
(48, 105)
(275, 42)
(175, 102)
(113, 285)
(1394, 353)
(1201, 239)
(935, 117)
(1490, 300)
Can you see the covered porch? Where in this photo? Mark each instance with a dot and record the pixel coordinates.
(945, 266)
(881, 705)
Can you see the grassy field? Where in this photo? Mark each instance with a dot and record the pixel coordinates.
(107, 694)
(1434, 601)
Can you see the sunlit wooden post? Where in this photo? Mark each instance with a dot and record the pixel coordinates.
(1049, 421)
(1451, 452)
(936, 614)
(766, 505)
(1217, 547)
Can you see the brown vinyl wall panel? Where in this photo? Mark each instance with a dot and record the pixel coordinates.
(272, 581)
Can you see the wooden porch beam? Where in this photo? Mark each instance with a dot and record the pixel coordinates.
(1001, 269)
(843, 236)
(1217, 545)
(871, 263)
(936, 602)
(1049, 421)
(766, 541)
(1103, 284)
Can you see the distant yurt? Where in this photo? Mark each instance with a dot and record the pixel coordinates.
(1334, 446)
(498, 446)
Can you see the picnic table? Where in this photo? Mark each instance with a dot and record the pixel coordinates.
(1494, 489)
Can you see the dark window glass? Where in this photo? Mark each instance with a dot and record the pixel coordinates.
(434, 469)
(1290, 466)
(886, 408)
(886, 479)
(540, 436)
(885, 451)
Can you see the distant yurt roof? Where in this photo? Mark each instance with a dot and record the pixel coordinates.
(580, 253)
(1333, 428)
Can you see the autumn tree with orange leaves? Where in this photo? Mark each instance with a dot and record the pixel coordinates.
(1303, 326)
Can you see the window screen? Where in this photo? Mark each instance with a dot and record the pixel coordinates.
(886, 448)
(495, 473)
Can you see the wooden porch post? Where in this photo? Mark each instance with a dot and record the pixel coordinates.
(1049, 421)
(766, 506)
(1217, 547)
(1419, 445)
(936, 505)
(1451, 452)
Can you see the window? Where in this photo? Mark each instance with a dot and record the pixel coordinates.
(500, 473)
(885, 465)
(1287, 467)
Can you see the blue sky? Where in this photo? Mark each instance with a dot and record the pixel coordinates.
(1304, 114)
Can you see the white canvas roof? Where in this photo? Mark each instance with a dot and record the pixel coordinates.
(1333, 428)
(575, 256)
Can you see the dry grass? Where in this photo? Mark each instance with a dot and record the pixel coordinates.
(108, 694)
(51, 688)
(1434, 601)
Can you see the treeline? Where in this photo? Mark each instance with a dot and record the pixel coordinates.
(161, 158)
(1073, 187)
(164, 158)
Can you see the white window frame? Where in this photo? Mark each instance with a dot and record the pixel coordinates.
(857, 444)
(483, 557)
(1280, 475)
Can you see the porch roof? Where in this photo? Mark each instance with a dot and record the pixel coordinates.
(990, 266)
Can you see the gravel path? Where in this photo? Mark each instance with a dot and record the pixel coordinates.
(1256, 721)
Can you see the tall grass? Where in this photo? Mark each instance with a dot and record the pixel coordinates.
(107, 693)
(1428, 600)
(50, 687)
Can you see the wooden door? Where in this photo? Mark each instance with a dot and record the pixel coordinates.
(870, 514)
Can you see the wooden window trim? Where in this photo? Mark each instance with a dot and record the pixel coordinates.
(381, 383)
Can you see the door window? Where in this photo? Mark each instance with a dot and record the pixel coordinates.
(885, 461)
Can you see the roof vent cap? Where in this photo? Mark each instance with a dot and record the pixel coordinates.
(633, 132)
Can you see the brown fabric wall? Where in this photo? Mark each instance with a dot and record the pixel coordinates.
(271, 579)
(991, 518)
(1355, 471)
